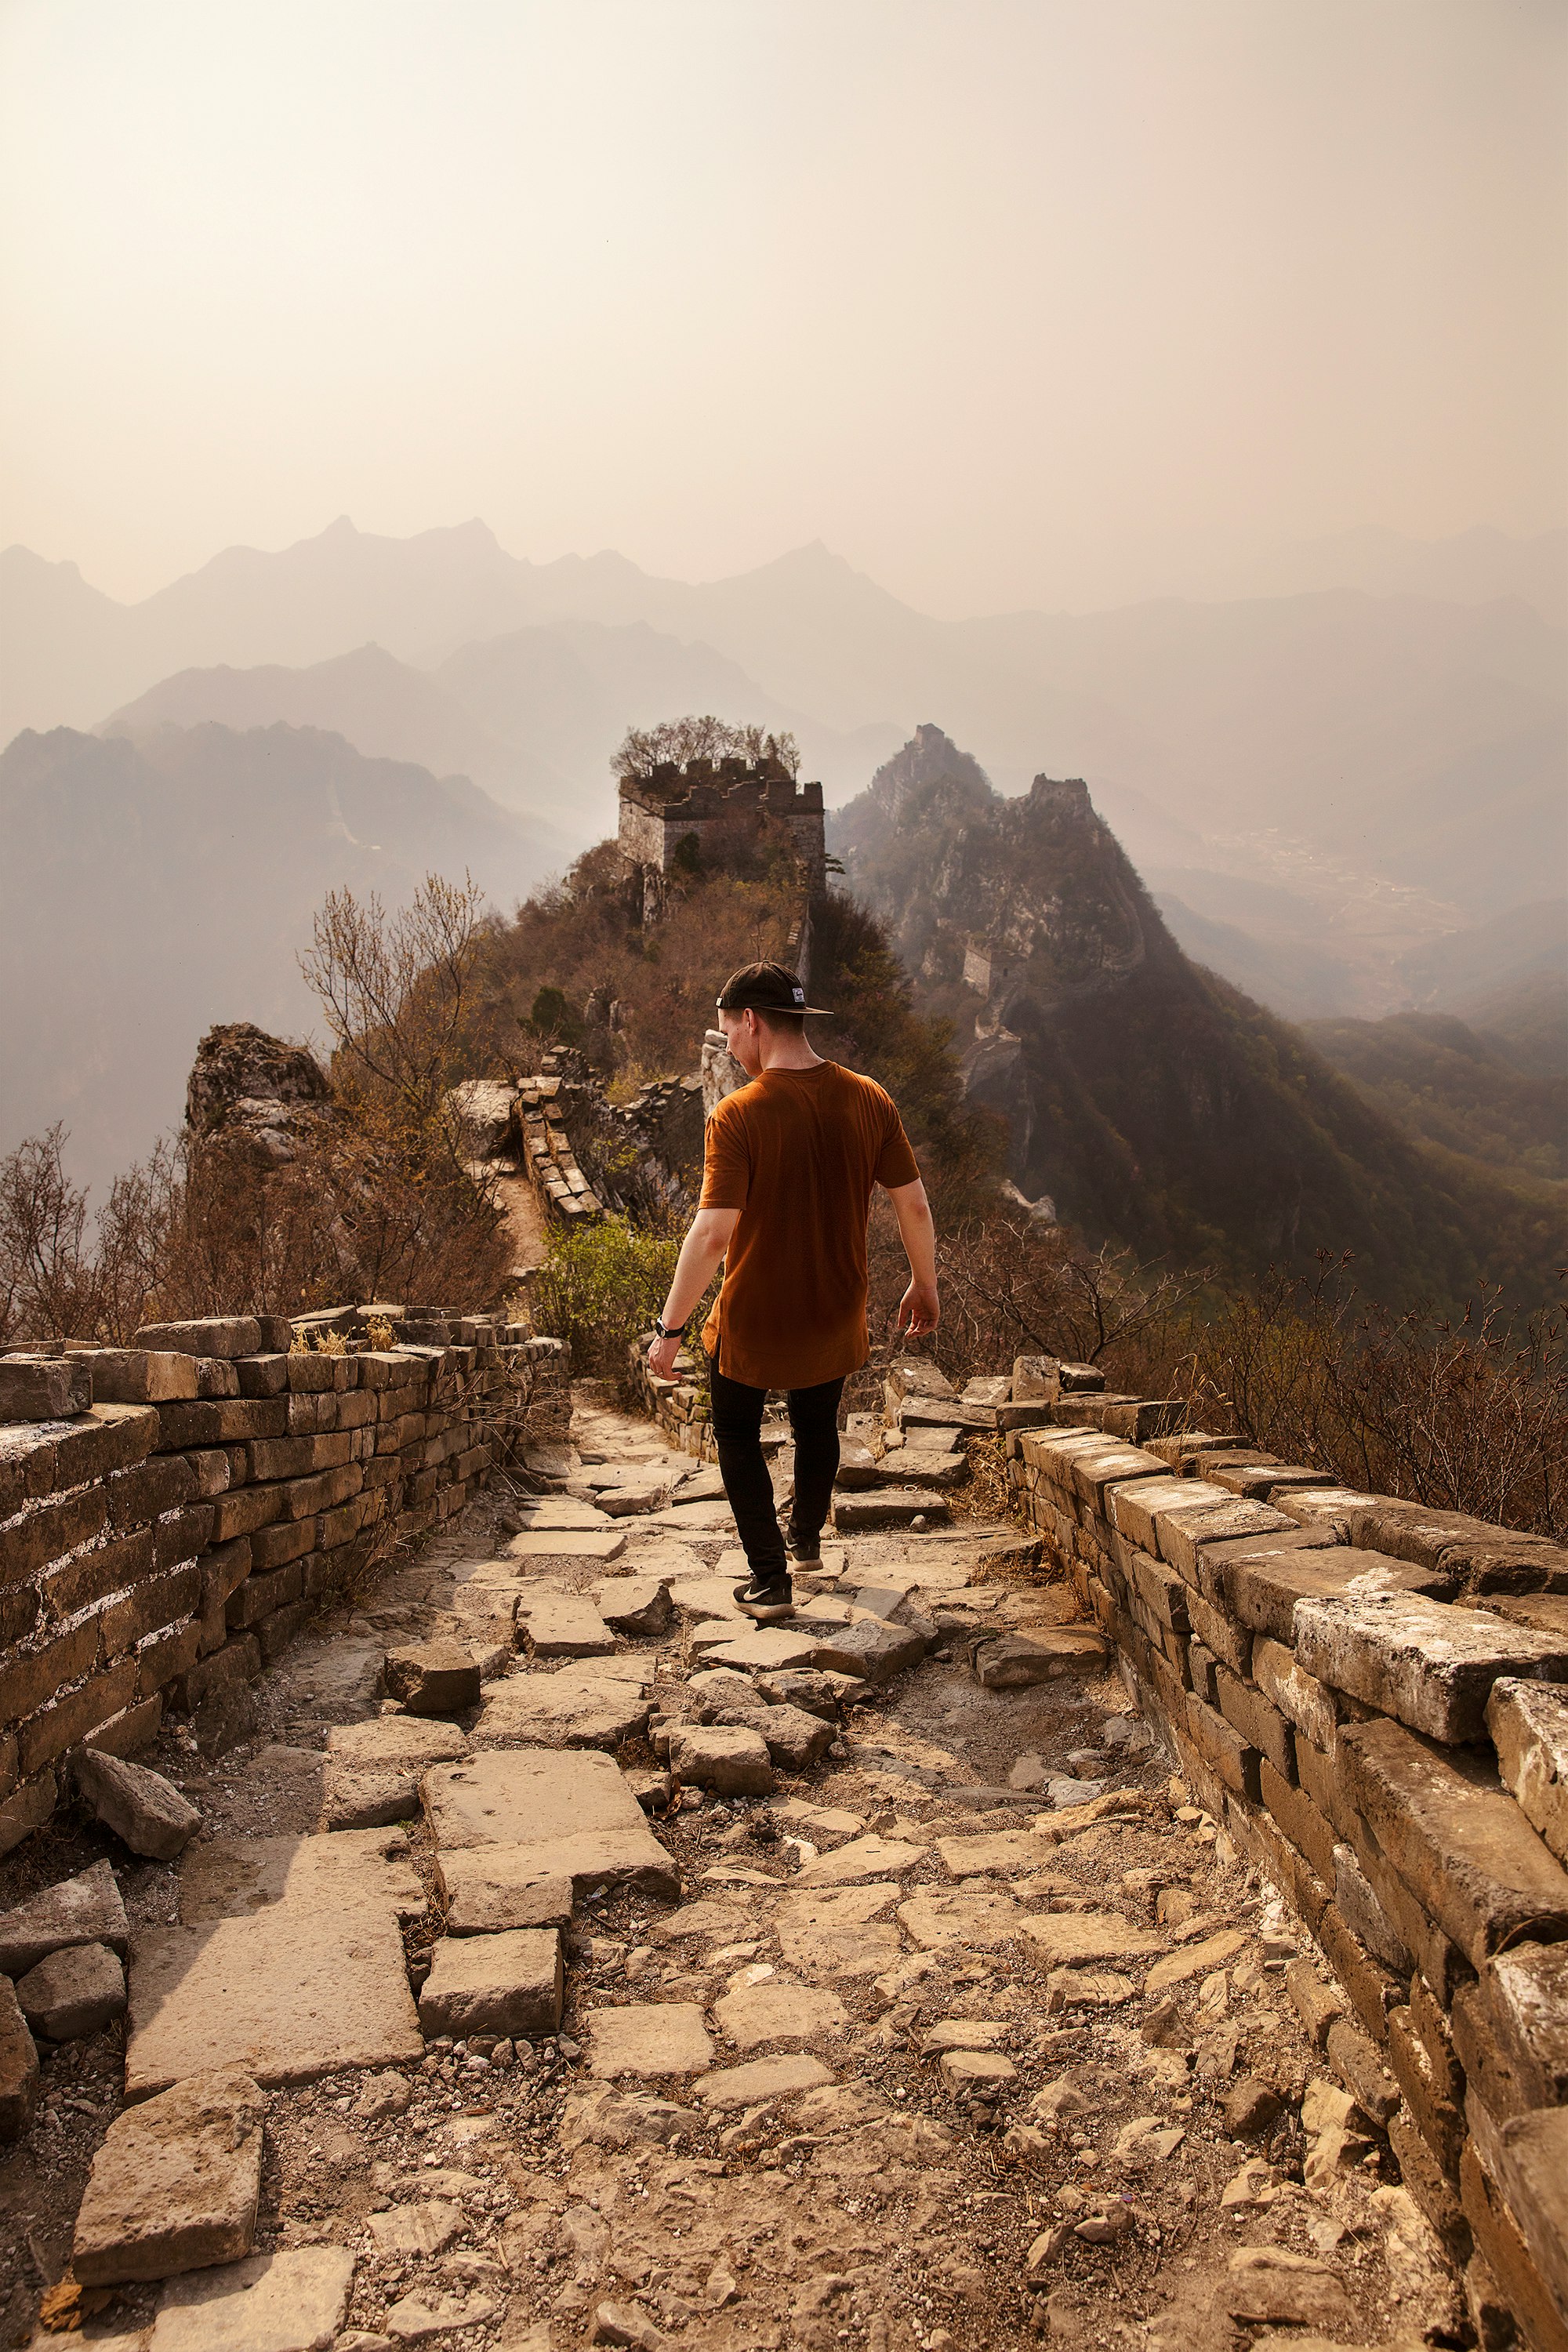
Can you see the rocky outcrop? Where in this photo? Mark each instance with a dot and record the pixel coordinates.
(1148, 1101)
(253, 1091)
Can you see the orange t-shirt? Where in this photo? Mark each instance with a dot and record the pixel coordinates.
(797, 1152)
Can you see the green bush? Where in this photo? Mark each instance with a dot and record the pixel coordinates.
(600, 1285)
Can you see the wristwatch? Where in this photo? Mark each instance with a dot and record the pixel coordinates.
(660, 1332)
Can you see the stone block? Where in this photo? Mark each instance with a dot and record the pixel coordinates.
(373, 1769)
(873, 1650)
(1501, 2252)
(1528, 1725)
(732, 1762)
(18, 2066)
(491, 1888)
(569, 1810)
(292, 2302)
(888, 1507)
(175, 2185)
(145, 1811)
(1260, 1723)
(1511, 2028)
(508, 1982)
(754, 2015)
(1433, 2101)
(1298, 1696)
(1364, 1914)
(211, 1334)
(1462, 1846)
(1018, 1661)
(573, 1707)
(1263, 1588)
(86, 1910)
(26, 1811)
(1359, 2067)
(73, 1993)
(562, 1625)
(1317, 2004)
(1529, 2160)
(436, 1677)
(633, 1605)
(1093, 1463)
(1223, 1748)
(1430, 1666)
(761, 2079)
(43, 1388)
(647, 2041)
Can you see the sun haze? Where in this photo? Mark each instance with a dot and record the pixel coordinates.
(1050, 302)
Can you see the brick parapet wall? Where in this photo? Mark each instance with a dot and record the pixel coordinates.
(168, 1520)
(1347, 1680)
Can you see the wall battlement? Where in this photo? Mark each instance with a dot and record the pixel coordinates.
(724, 808)
(172, 1512)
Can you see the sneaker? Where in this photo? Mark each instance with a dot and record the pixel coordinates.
(766, 1603)
(806, 1557)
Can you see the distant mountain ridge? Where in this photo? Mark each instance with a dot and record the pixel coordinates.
(1153, 1103)
(151, 890)
(1423, 739)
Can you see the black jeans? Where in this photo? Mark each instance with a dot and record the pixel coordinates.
(737, 1429)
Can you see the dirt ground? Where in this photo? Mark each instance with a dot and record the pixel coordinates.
(1098, 2193)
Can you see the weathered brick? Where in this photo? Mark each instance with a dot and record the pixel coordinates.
(259, 1595)
(1365, 1914)
(1427, 1665)
(67, 1721)
(1427, 2182)
(1373, 1991)
(133, 1729)
(1298, 1696)
(168, 1656)
(184, 1535)
(141, 1376)
(263, 1376)
(341, 1526)
(43, 1388)
(26, 1809)
(1461, 1845)
(1432, 2103)
(211, 1470)
(1260, 1725)
(307, 1415)
(93, 1575)
(1263, 1588)
(163, 1601)
(26, 1682)
(1219, 1633)
(356, 1410)
(206, 1335)
(309, 1373)
(1505, 2241)
(245, 1509)
(239, 1661)
(284, 1540)
(1511, 2028)
(296, 1457)
(276, 1632)
(1160, 1587)
(48, 1531)
(304, 1496)
(160, 1484)
(1300, 1819)
(1226, 1753)
(19, 1610)
(1528, 1725)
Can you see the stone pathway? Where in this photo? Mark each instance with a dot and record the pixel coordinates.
(660, 1978)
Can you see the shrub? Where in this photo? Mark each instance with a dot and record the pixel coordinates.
(601, 1285)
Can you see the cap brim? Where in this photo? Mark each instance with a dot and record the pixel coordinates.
(786, 1011)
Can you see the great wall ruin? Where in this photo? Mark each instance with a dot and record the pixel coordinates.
(1135, 1913)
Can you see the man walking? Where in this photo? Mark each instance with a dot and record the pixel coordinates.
(789, 1165)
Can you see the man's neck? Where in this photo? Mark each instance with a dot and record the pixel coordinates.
(780, 1053)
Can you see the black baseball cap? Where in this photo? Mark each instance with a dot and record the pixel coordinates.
(766, 987)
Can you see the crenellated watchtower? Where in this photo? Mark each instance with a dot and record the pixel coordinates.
(718, 815)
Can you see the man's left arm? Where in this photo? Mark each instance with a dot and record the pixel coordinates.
(707, 1239)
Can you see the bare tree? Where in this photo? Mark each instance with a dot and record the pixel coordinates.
(677, 740)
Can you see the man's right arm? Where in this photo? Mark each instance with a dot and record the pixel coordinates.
(920, 1308)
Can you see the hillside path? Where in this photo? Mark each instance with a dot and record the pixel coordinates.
(897, 2055)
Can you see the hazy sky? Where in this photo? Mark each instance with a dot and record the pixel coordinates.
(1008, 301)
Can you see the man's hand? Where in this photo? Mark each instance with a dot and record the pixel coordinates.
(661, 1356)
(920, 1310)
